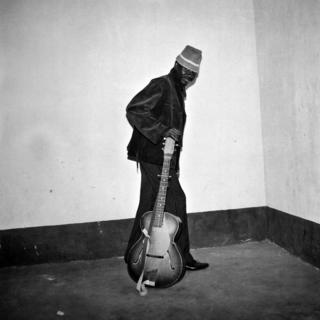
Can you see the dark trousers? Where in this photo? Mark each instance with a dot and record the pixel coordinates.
(175, 204)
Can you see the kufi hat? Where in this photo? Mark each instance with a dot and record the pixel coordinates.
(190, 58)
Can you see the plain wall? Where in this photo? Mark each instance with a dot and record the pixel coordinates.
(67, 71)
(288, 48)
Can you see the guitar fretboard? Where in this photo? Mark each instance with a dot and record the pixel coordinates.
(158, 211)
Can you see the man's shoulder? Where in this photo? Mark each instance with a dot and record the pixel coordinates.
(162, 81)
(159, 87)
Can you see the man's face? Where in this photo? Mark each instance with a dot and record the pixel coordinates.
(186, 76)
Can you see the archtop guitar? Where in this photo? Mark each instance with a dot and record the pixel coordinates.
(155, 259)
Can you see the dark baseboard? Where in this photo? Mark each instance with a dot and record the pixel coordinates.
(107, 239)
(299, 236)
(223, 227)
(81, 241)
(95, 240)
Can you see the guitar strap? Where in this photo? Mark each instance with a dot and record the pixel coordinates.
(141, 285)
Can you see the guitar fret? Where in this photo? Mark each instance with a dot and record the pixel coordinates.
(160, 203)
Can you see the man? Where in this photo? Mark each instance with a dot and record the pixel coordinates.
(155, 113)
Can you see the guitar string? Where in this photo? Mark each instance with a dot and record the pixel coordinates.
(162, 194)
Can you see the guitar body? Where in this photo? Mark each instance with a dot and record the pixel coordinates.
(158, 256)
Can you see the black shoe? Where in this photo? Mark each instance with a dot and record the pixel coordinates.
(195, 265)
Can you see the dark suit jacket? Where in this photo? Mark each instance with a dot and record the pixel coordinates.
(152, 112)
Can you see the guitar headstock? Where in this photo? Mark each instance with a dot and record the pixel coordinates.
(168, 149)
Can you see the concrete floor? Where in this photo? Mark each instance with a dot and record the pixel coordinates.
(253, 280)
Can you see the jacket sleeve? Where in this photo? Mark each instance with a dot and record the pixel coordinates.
(141, 112)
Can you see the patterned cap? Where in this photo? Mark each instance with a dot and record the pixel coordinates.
(190, 58)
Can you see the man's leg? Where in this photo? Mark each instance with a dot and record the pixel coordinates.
(175, 204)
(148, 193)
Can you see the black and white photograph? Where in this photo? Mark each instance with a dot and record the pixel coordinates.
(160, 159)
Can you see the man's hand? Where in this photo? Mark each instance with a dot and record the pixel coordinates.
(174, 134)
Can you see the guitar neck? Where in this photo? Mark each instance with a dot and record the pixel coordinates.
(162, 194)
